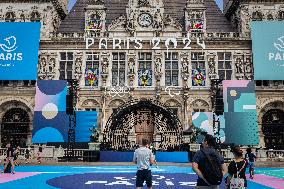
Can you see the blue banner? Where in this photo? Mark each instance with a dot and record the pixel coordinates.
(19, 45)
(268, 50)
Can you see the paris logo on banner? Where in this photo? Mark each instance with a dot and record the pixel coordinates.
(19, 45)
(268, 50)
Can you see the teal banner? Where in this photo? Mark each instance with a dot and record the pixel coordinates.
(268, 50)
(19, 45)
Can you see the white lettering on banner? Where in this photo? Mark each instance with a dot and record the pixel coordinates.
(8, 48)
(278, 56)
(137, 43)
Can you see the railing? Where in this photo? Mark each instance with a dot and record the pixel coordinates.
(86, 154)
(211, 35)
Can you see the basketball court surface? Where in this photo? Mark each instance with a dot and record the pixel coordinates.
(119, 177)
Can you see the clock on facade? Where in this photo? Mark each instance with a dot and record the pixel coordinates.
(145, 20)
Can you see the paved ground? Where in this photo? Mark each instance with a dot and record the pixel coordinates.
(119, 177)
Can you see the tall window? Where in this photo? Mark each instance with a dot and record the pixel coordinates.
(92, 69)
(198, 69)
(225, 65)
(118, 69)
(35, 16)
(145, 69)
(171, 69)
(66, 65)
(10, 17)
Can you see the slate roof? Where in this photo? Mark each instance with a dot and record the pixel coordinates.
(75, 20)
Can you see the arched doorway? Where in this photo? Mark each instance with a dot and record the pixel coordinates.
(15, 127)
(140, 119)
(273, 129)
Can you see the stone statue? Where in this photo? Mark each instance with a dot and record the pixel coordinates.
(158, 66)
(239, 65)
(95, 134)
(211, 63)
(105, 66)
(131, 65)
(158, 20)
(185, 66)
(248, 66)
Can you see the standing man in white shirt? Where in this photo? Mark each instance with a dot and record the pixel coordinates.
(143, 157)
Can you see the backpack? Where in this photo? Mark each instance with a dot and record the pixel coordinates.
(237, 182)
(213, 173)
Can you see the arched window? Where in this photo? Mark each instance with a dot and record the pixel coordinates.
(10, 17)
(15, 127)
(256, 16)
(273, 129)
(281, 15)
(35, 16)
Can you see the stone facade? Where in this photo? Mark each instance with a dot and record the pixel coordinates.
(214, 41)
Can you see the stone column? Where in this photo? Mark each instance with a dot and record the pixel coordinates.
(158, 72)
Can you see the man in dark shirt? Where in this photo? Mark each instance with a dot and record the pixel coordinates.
(250, 157)
(9, 157)
(199, 160)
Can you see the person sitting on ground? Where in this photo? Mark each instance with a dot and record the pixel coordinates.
(209, 165)
(250, 159)
(237, 170)
(143, 157)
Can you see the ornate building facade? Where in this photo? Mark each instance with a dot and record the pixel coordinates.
(144, 65)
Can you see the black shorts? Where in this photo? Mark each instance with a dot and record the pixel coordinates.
(143, 175)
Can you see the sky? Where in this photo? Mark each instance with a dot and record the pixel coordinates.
(72, 2)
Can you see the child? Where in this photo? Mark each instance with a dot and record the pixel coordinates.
(27, 155)
(16, 155)
(39, 154)
(250, 159)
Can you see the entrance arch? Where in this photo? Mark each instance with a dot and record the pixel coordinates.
(273, 129)
(15, 127)
(139, 119)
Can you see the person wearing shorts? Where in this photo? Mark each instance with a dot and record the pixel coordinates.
(250, 159)
(143, 157)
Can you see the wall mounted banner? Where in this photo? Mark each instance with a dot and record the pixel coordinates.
(268, 50)
(50, 122)
(19, 45)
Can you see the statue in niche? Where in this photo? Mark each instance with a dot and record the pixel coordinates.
(105, 65)
(158, 66)
(248, 66)
(131, 65)
(95, 134)
(43, 65)
(239, 65)
(131, 22)
(211, 63)
(158, 20)
(185, 69)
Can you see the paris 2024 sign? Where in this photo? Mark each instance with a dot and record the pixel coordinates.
(268, 50)
(19, 45)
